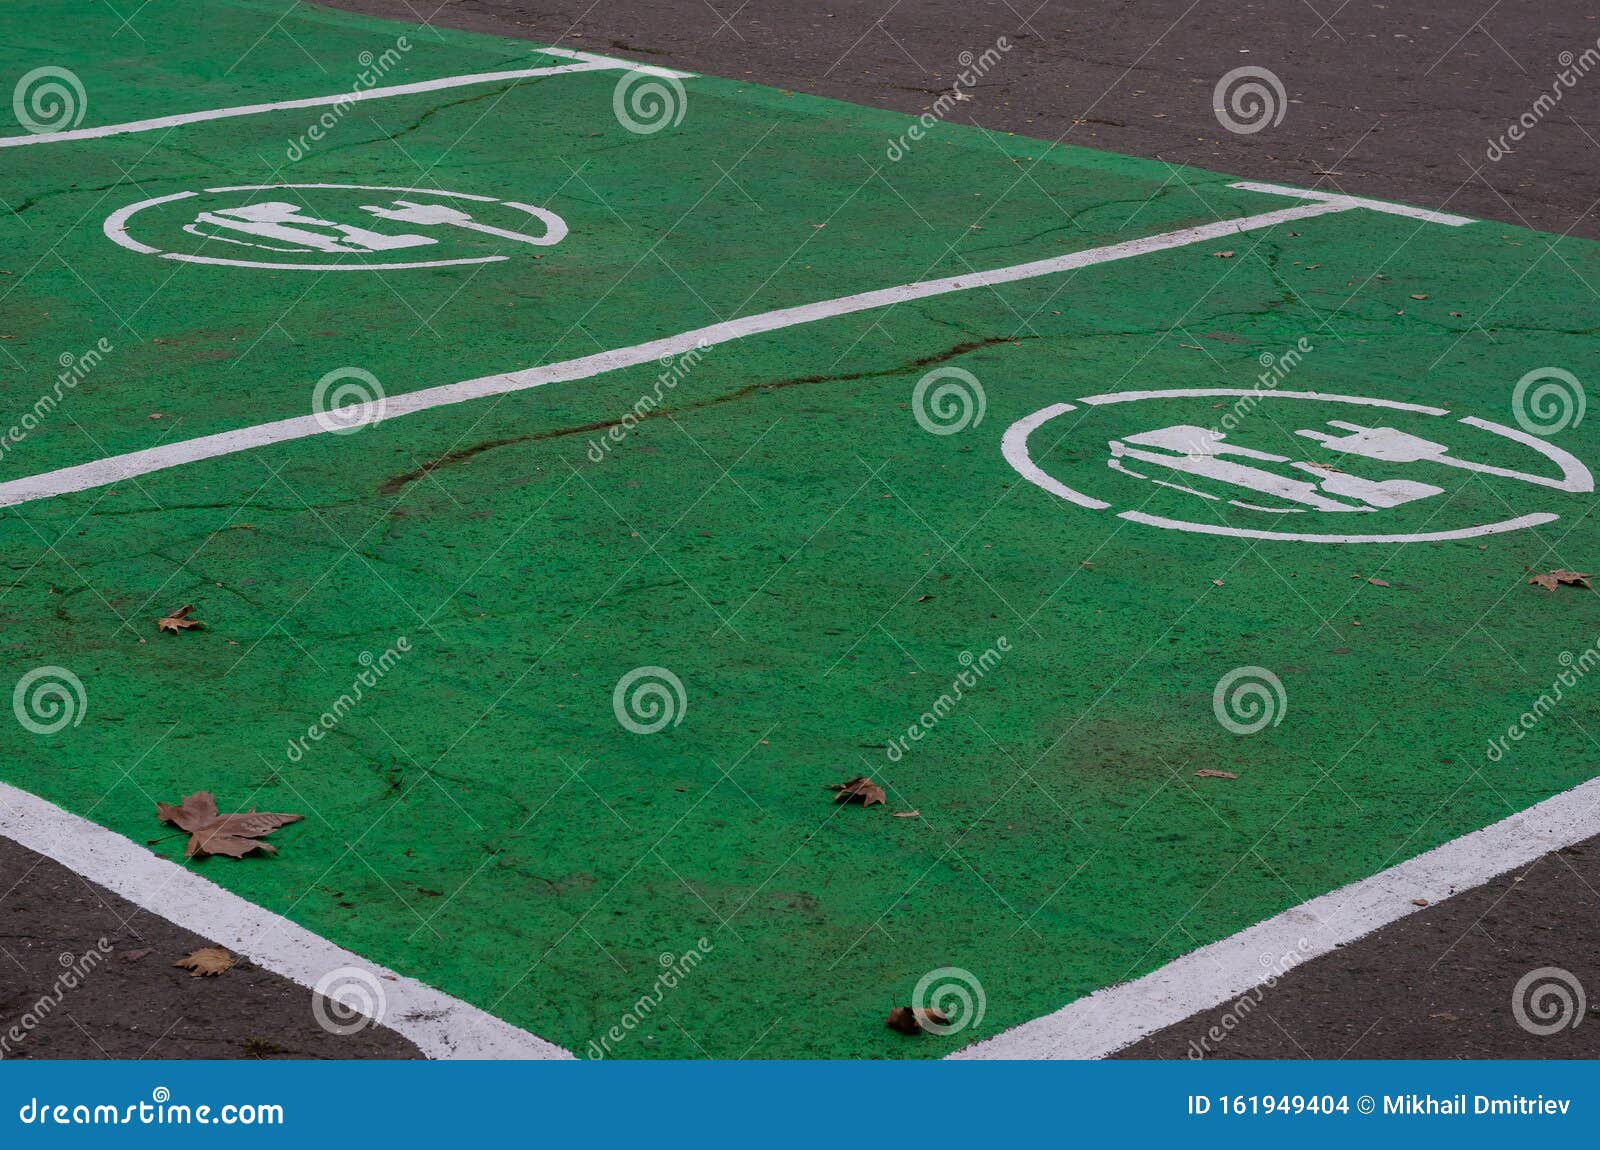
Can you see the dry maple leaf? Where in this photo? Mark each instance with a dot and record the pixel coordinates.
(208, 962)
(178, 620)
(859, 790)
(1550, 581)
(1208, 773)
(214, 834)
(916, 1019)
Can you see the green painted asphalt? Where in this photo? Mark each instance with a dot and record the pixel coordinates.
(807, 560)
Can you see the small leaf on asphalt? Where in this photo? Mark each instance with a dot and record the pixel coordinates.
(1554, 578)
(134, 955)
(211, 833)
(178, 620)
(859, 790)
(208, 962)
(1208, 773)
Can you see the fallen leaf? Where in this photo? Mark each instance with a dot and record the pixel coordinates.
(1419, 902)
(208, 962)
(916, 1019)
(1424, 295)
(231, 835)
(134, 955)
(1550, 581)
(1377, 582)
(1217, 582)
(908, 814)
(1223, 255)
(859, 789)
(1208, 773)
(178, 620)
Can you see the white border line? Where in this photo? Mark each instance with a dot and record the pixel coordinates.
(585, 62)
(440, 1026)
(1108, 1020)
(115, 468)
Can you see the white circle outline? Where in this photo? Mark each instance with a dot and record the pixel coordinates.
(116, 229)
(1575, 476)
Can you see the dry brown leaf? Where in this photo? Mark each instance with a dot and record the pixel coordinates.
(1419, 902)
(859, 790)
(211, 833)
(1554, 579)
(1223, 255)
(134, 955)
(207, 962)
(1377, 582)
(178, 620)
(908, 814)
(1208, 773)
(916, 1019)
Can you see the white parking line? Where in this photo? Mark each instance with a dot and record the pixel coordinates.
(439, 1025)
(1108, 1020)
(117, 468)
(585, 62)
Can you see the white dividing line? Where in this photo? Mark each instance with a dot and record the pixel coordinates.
(585, 62)
(439, 1025)
(1110, 1019)
(116, 468)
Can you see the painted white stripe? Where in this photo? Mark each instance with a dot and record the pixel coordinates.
(1406, 210)
(121, 467)
(584, 62)
(1110, 1019)
(440, 1026)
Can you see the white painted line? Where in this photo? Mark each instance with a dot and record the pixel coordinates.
(1108, 1020)
(583, 62)
(440, 1026)
(120, 467)
(1383, 206)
